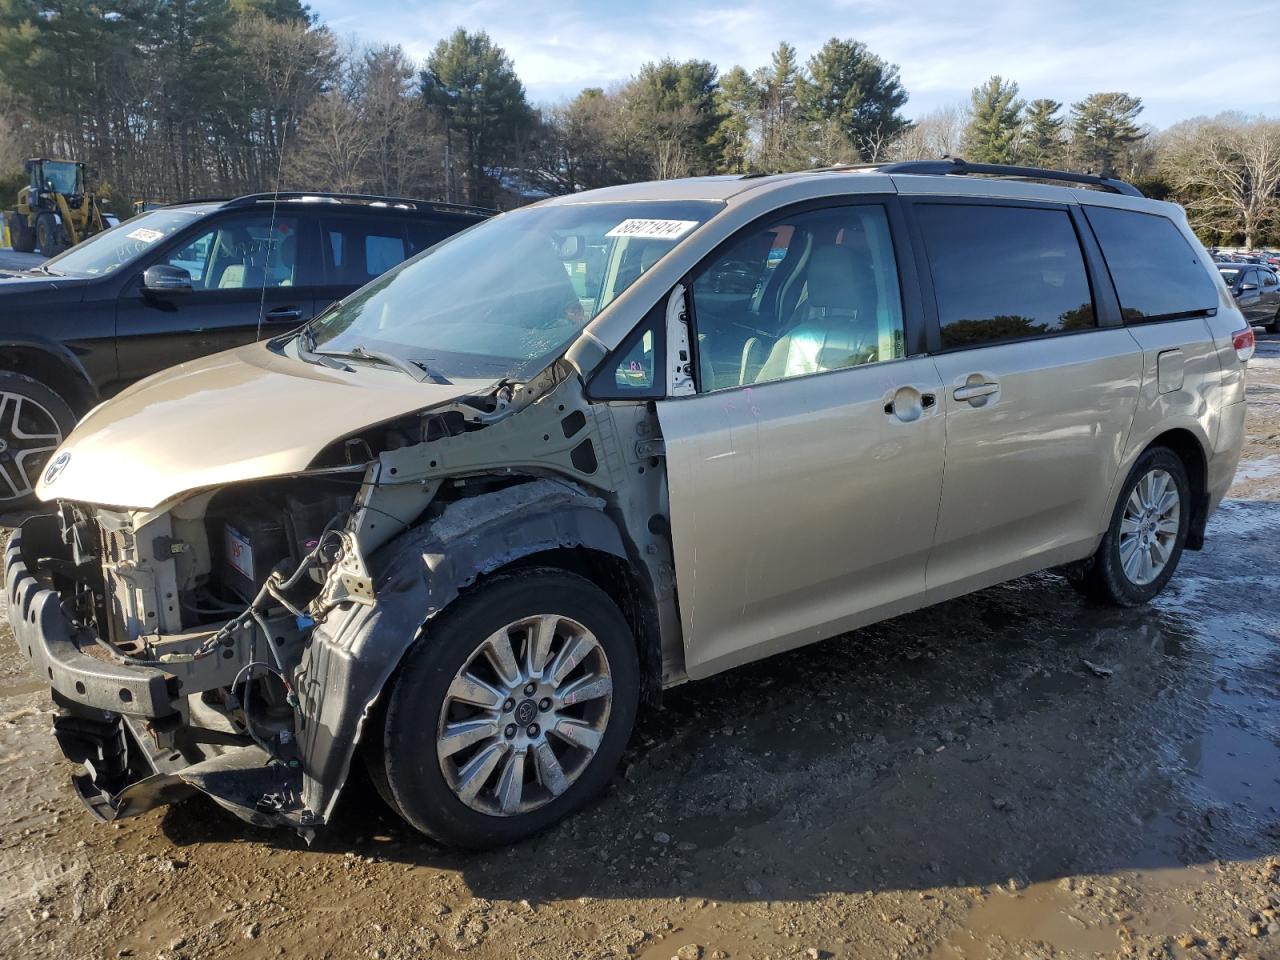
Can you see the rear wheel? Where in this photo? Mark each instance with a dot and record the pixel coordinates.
(512, 712)
(1274, 325)
(33, 422)
(1143, 544)
(20, 233)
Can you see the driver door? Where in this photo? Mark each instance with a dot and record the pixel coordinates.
(805, 473)
(242, 266)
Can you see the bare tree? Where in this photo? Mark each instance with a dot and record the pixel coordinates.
(335, 145)
(1228, 171)
(405, 143)
(936, 134)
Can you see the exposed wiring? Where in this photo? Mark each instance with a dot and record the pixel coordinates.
(248, 721)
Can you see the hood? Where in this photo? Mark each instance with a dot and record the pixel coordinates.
(241, 415)
(21, 283)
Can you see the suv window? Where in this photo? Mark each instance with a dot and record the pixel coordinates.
(807, 293)
(1004, 273)
(1269, 279)
(1156, 272)
(361, 249)
(241, 252)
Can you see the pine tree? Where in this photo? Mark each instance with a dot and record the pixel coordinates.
(473, 85)
(738, 98)
(781, 136)
(1102, 128)
(1043, 143)
(992, 134)
(854, 93)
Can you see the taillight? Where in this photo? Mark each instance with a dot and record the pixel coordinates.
(1244, 343)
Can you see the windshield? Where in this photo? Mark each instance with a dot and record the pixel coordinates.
(122, 244)
(61, 177)
(1230, 276)
(501, 299)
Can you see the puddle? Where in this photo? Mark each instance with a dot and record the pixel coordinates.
(1066, 917)
(1232, 763)
(25, 688)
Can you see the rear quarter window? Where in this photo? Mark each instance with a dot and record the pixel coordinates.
(1156, 272)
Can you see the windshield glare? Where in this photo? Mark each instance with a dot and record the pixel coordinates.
(122, 244)
(500, 300)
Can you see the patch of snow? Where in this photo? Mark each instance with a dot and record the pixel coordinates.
(1258, 469)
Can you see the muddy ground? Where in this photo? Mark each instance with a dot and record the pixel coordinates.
(958, 783)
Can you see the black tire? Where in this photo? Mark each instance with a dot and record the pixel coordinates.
(1274, 325)
(37, 409)
(48, 235)
(403, 761)
(1103, 577)
(20, 233)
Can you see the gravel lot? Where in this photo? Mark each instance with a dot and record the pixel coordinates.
(957, 783)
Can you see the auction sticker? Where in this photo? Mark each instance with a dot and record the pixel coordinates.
(145, 235)
(652, 229)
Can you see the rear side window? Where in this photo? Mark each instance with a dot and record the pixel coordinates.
(1157, 274)
(360, 250)
(1004, 273)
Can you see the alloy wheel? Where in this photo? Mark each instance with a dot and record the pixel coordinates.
(29, 433)
(1149, 526)
(525, 715)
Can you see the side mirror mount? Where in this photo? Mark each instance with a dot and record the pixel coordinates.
(167, 279)
(1246, 287)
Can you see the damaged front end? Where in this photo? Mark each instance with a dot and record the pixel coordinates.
(168, 640)
(233, 641)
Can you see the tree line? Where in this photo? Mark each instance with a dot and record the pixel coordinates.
(172, 99)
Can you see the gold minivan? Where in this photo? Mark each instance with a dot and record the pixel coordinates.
(462, 524)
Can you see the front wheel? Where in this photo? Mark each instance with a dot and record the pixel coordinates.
(48, 235)
(1143, 544)
(33, 422)
(511, 712)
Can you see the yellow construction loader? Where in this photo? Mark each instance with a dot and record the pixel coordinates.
(55, 210)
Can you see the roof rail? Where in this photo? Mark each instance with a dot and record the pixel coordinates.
(950, 166)
(179, 203)
(299, 195)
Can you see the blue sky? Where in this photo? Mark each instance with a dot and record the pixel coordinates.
(1180, 56)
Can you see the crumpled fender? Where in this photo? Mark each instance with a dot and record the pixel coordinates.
(350, 656)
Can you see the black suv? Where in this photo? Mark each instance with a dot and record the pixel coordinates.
(178, 283)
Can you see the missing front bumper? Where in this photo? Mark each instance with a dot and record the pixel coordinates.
(121, 778)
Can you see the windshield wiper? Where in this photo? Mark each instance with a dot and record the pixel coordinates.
(413, 368)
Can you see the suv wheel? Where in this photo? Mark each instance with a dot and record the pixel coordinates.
(512, 712)
(1274, 325)
(33, 422)
(1143, 544)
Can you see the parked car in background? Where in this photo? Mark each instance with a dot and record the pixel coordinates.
(464, 522)
(177, 283)
(1256, 290)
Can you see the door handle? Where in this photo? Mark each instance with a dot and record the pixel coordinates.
(976, 391)
(281, 314)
